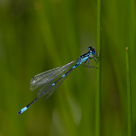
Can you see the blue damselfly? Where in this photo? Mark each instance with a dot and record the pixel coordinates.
(50, 80)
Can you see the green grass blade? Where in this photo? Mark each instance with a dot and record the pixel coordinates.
(129, 97)
(97, 106)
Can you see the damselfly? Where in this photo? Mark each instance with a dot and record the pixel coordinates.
(50, 80)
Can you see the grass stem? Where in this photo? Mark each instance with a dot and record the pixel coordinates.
(97, 106)
(129, 97)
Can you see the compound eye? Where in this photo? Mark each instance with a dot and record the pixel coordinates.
(90, 48)
(93, 51)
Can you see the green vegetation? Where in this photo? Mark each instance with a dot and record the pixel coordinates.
(39, 35)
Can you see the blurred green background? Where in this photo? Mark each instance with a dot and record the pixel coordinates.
(38, 35)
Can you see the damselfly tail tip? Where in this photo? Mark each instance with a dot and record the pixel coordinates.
(22, 110)
(19, 112)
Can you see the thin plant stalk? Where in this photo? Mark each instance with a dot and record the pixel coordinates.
(129, 97)
(98, 91)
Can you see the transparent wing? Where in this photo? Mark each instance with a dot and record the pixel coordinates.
(49, 76)
(48, 89)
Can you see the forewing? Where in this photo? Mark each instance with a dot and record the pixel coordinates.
(48, 76)
(48, 89)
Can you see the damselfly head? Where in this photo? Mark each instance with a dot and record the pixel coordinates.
(92, 50)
